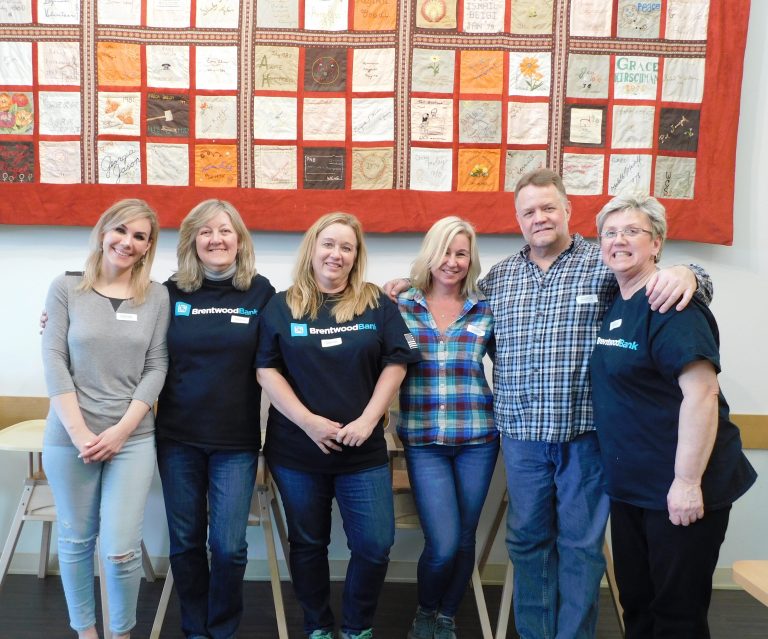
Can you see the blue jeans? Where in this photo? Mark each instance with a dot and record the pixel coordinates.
(207, 496)
(104, 500)
(555, 531)
(365, 502)
(449, 485)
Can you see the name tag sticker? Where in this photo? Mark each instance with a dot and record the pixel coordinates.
(614, 324)
(127, 317)
(238, 319)
(475, 330)
(326, 343)
(586, 299)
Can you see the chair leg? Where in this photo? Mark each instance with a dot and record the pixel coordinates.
(162, 606)
(45, 550)
(482, 609)
(274, 569)
(103, 593)
(506, 603)
(282, 530)
(146, 564)
(15, 531)
(610, 576)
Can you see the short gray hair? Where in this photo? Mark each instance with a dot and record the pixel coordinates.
(653, 209)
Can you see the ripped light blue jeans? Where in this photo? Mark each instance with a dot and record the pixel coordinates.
(105, 500)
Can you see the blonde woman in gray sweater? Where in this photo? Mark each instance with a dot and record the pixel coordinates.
(105, 360)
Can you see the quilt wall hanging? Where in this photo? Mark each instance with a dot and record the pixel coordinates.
(400, 112)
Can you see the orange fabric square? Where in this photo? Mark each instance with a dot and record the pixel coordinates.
(119, 64)
(481, 72)
(478, 170)
(375, 15)
(216, 165)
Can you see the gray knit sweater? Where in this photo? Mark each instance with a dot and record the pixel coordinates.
(108, 358)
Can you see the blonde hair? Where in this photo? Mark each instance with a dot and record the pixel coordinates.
(433, 249)
(189, 276)
(120, 213)
(304, 297)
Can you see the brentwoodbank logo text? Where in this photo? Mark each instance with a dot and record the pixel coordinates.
(302, 330)
(184, 309)
(617, 342)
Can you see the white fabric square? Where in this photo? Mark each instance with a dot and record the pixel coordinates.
(373, 119)
(124, 12)
(675, 177)
(274, 118)
(629, 174)
(432, 70)
(276, 68)
(119, 113)
(588, 75)
(58, 11)
(431, 120)
(519, 163)
(687, 19)
(216, 68)
(683, 80)
(168, 66)
(59, 113)
(16, 12)
(484, 16)
(639, 19)
(431, 169)
(527, 122)
(16, 67)
(632, 127)
(60, 162)
(591, 18)
(372, 168)
(169, 13)
(635, 77)
(324, 119)
(119, 162)
(530, 73)
(583, 173)
(216, 117)
(373, 70)
(217, 14)
(326, 15)
(275, 167)
(277, 14)
(58, 63)
(480, 121)
(168, 164)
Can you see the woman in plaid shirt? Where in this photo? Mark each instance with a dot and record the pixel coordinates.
(446, 424)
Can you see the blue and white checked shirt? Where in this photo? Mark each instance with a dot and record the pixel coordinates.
(445, 398)
(546, 326)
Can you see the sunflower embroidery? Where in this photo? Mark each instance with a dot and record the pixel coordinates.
(529, 69)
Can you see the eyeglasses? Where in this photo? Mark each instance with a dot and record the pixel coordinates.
(629, 231)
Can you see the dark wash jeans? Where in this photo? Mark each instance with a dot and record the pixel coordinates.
(450, 484)
(365, 503)
(207, 496)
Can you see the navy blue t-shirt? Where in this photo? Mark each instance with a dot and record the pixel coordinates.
(211, 397)
(635, 366)
(333, 369)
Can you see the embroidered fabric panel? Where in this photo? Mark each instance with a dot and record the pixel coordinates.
(398, 111)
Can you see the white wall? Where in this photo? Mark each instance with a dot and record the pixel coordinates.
(31, 256)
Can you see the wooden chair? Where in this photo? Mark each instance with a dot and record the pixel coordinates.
(406, 515)
(263, 506)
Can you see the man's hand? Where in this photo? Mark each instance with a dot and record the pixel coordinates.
(393, 288)
(675, 284)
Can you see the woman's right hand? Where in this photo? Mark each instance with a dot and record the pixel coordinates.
(43, 320)
(82, 441)
(323, 432)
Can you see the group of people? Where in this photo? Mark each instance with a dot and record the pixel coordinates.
(600, 404)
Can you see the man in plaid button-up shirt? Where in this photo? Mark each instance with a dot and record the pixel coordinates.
(548, 301)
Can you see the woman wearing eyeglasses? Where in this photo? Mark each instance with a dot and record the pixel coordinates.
(672, 459)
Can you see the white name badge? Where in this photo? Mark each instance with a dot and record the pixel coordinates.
(586, 299)
(326, 343)
(614, 324)
(127, 317)
(475, 330)
(238, 319)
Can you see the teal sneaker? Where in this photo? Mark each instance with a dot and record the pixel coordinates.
(445, 627)
(322, 634)
(423, 626)
(363, 634)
